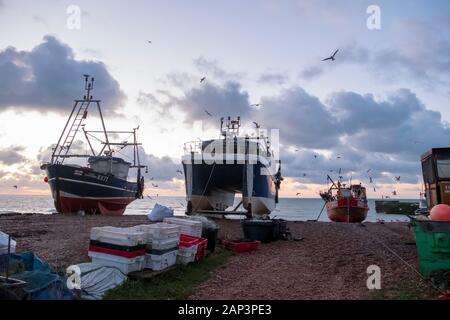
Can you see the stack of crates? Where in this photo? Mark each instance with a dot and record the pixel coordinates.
(122, 248)
(162, 242)
(187, 226)
(433, 245)
(192, 245)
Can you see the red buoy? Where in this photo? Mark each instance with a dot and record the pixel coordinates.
(440, 212)
(46, 179)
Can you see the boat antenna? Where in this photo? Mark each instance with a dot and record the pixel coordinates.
(88, 86)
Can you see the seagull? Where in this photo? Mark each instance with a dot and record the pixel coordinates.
(315, 156)
(304, 174)
(15, 187)
(256, 125)
(338, 157)
(149, 41)
(298, 194)
(202, 79)
(256, 105)
(180, 172)
(209, 114)
(332, 57)
(397, 178)
(154, 185)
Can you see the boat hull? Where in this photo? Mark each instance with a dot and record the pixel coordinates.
(76, 189)
(212, 187)
(352, 211)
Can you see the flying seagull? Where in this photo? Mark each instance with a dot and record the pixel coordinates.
(256, 105)
(338, 157)
(180, 172)
(209, 114)
(298, 194)
(397, 178)
(149, 41)
(202, 79)
(332, 57)
(256, 125)
(15, 187)
(154, 185)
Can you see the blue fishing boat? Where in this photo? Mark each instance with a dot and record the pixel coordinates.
(216, 170)
(101, 185)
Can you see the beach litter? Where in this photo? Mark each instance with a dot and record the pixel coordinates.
(96, 280)
(160, 212)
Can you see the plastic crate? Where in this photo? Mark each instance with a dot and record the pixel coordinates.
(161, 262)
(125, 265)
(201, 243)
(433, 245)
(119, 236)
(186, 255)
(160, 231)
(189, 227)
(115, 252)
(242, 245)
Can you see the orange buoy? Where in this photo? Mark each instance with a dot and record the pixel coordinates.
(440, 212)
(46, 179)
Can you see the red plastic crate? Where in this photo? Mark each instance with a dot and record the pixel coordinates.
(242, 246)
(115, 252)
(189, 241)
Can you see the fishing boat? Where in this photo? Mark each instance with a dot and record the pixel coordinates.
(218, 169)
(346, 204)
(101, 185)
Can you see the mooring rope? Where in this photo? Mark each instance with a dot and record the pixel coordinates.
(424, 279)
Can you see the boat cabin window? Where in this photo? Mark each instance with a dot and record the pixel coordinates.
(107, 165)
(345, 193)
(443, 165)
(427, 170)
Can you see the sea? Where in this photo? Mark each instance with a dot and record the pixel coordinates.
(291, 209)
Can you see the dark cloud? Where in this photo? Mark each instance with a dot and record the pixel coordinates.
(301, 118)
(273, 78)
(48, 78)
(12, 155)
(220, 100)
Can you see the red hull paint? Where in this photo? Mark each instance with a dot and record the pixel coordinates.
(105, 206)
(342, 212)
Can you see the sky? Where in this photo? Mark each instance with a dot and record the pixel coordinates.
(370, 113)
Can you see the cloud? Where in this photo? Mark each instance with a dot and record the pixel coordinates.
(273, 78)
(311, 72)
(212, 68)
(302, 118)
(224, 100)
(12, 155)
(48, 78)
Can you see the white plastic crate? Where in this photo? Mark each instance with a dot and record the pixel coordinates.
(161, 262)
(188, 227)
(160, 231)
(123, 264)
(4, 244)
(120, 236)
(164, 244)
(186, 254)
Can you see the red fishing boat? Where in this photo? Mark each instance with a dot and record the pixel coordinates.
(346, 204)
